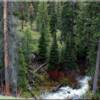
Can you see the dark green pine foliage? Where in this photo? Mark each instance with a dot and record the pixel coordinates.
(42, 21)
(93, 19)
(54, 55)
(69, 56)
(50, 7)
(42, 15)
(67, 36)
(22, 84)
(43, 44)
(53, 19)
(87, 30)
(67, 20)
(27, 43)
(58, 13)
(80, 38)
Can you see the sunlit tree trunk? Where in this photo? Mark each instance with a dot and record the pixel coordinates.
(6, 57)
(96, 76)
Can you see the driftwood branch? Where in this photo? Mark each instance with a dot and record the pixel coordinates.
(43, 65)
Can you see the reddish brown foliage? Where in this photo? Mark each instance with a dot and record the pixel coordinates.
(56, 75)
(71, 77)
(59, 75)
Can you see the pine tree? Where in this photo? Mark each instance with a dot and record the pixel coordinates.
(67, 20)
(52, 12)
(80, 38)
(53, 20)
(93, 18)
(27, 43)
(86, 31)
(93, 31)
(54, 55)
(42, 21)
(22, 72)
(42, 14)
(69, 56)
(58, 7)
(67, 35)
(43, 44)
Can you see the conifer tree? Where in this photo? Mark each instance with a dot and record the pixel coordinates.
(67, 35)
(67, 20)
(53, 20)
(22, 71)
(42, 21)
(58, 13)
(52, 16)
(43, 44)
(92, 27)
(27, 43)
(86, 31)
(54, 54)
(69, 56)
(42, 14)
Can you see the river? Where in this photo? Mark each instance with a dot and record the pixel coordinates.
(67, 92)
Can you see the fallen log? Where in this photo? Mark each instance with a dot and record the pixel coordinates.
(40, 67)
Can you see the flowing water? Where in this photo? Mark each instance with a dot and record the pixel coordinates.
(68, 92)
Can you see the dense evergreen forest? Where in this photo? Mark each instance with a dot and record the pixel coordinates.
(46, 46)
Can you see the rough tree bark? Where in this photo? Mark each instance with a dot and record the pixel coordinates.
(96, 76)
(6, 57)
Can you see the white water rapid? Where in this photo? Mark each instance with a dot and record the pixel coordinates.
(68, 92)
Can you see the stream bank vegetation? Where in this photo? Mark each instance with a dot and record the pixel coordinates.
(48, 45)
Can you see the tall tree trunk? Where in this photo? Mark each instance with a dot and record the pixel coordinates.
(6, 57)
(96, 76)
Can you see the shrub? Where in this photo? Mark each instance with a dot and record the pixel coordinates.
(56, 75)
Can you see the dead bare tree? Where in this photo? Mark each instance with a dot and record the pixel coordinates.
(96, 76)
(6, 57)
